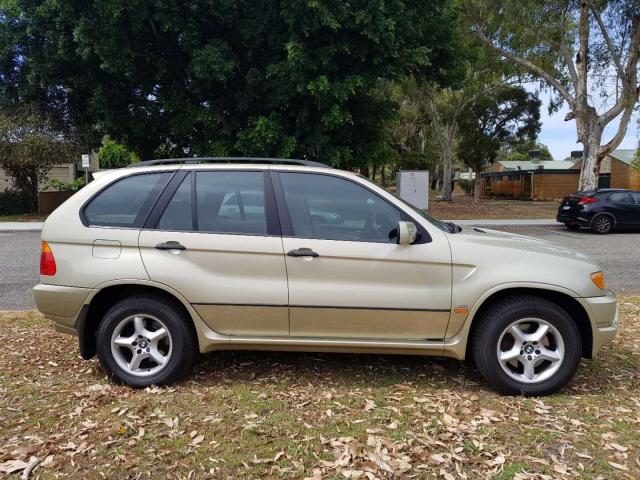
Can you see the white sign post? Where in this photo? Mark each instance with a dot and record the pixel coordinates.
(413, 187)
(86, 163)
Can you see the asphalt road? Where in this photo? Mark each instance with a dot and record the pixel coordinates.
(19, 267)
(618, 253)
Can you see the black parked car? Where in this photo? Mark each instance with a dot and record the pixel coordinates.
(602, 210)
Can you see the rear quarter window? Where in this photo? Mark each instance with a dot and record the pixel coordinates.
(127, 202)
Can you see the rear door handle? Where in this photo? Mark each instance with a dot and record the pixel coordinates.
(170, 246)
(302, 252)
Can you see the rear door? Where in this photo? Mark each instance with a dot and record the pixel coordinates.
(215, 239)
(348, 277)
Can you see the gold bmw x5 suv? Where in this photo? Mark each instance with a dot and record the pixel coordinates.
(152, 264)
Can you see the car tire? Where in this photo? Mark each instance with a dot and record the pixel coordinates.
(602, 224)
(146, 340)
(531, 371)
(572, 225)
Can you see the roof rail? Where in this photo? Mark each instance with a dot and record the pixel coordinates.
(199, 160)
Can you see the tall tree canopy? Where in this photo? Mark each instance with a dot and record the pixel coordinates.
(506, 114)
(247, 77)
(584, 49)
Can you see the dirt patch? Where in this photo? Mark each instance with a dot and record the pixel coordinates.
(296, 415)
(462, 208)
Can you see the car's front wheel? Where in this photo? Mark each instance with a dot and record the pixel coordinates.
(146, 340)
(526, 345)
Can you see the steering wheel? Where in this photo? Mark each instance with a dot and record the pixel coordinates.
(377, 227)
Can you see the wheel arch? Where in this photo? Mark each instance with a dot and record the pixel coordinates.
(106, 295)
(563, 299)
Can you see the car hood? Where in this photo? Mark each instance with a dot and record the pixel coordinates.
(529, 245)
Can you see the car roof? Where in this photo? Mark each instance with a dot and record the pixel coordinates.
(228, 160)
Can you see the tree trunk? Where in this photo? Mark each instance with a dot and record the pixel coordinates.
(383, 180)
(447, 157)
(477, 185)
(590, 135)
(446, 171)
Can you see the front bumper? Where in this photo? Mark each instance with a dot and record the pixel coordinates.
(603, 312)
(60, 304)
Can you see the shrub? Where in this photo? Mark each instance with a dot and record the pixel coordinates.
(61, 186)
(15, 202)
(115, 155)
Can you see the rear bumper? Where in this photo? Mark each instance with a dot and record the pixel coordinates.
(603, 312)
(568, 218)
(60, 304)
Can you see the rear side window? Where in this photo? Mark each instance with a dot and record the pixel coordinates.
(226, 202)
(127, 202)
(636, 197)
(620, 197)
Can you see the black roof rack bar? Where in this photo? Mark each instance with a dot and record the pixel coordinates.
(198, 160)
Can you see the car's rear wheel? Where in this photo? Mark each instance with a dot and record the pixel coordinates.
(146, 340)
(526, 345)
(602, 224)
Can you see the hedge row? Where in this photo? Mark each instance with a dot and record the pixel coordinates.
(14, 202)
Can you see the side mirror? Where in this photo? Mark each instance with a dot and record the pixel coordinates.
(407, 233)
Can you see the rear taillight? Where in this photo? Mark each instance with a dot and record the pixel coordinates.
(586, 200)
(47, 262)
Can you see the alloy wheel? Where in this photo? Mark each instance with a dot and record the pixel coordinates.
(141, 345)
(530, 350)
(603, 224)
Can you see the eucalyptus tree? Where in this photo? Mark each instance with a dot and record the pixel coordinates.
(582, 49)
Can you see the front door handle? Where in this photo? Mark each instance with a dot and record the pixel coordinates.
(302, 252)
(170, 246)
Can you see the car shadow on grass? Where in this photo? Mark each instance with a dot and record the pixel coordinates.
(613, 370)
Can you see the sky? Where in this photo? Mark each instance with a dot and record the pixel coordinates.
(560, 136)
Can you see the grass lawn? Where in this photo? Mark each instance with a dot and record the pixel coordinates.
(29, 217)
(462, 208)
(297, 415)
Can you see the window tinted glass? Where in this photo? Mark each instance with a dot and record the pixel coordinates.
(127, 202)
(621, 197)
(231, 202)
(177, 215)
(636, 198)
(331, 208)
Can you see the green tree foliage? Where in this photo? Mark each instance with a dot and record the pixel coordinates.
(246, 77)
(29, 148)
(520, 148)
(506, 114)
(114, 155)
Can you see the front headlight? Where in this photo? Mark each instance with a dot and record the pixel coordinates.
(598, 280)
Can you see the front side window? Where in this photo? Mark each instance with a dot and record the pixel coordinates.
(127, 202)
(331, 208)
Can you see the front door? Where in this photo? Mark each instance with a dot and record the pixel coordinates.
(348, 277)
(635, 196)
(622, 206)
(214, 244)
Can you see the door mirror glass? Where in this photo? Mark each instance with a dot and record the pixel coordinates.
(407, 233)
